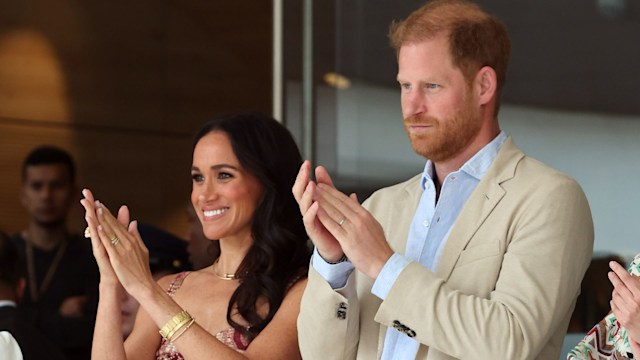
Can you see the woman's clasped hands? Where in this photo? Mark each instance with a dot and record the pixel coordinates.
(117, 246)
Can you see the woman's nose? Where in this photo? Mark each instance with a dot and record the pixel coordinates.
(207, 192)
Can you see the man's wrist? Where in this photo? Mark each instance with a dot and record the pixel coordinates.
(341, 260)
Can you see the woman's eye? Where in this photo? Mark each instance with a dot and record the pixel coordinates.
(224, 176)
(197, 177)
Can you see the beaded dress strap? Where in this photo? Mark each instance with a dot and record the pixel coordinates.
(177, 282)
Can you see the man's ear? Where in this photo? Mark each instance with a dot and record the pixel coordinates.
(486, 84)
(20, 286)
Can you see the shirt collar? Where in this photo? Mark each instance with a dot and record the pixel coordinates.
(477, 166)
(7, 303)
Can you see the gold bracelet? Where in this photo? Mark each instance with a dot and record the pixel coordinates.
(175, 329)
(172, 325)
(184, 329)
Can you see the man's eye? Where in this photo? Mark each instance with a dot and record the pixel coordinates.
(432, 86)
(405, 86)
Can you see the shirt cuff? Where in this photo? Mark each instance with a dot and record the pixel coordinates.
(388, 275)
(335, 274)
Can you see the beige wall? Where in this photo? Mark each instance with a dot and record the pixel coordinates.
(123, 86)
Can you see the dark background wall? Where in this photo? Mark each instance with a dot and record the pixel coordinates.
(123, 86)
(578, 55)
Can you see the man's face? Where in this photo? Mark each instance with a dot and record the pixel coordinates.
(437, 102)
(47, 193)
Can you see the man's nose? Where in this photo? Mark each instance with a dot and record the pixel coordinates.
(413, 103)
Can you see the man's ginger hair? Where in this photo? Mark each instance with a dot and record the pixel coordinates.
(476, 38)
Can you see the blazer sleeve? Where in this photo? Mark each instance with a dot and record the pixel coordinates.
(328, 324)
(545, 246)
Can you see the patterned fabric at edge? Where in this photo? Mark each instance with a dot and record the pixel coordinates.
(229, 336)
(608, 339)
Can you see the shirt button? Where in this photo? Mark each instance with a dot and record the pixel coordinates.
(425, 223)
(453, 178)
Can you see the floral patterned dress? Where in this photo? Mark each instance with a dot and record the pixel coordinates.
(230, 336)
(608, 339)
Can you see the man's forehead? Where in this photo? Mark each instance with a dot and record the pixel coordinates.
(47, 172)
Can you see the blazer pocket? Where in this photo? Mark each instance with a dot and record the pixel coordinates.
(478, 252)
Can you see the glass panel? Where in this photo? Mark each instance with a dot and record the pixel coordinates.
(570, 98)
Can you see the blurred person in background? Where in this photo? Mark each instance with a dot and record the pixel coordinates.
(199, 247)
(167, 255)
(62, 276)
(617, 335)
(19, 339)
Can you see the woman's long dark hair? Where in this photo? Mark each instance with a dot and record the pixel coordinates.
(279, 254)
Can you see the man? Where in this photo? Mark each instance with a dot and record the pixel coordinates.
(19, 339)
(479, 257)
(62, 276)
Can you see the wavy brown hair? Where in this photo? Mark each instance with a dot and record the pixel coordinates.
(279, 255)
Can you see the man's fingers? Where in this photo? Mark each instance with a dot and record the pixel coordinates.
(322, 176)
(332, 222)
(346, 205)
(309, 218)
(307, 198)
(301, 180)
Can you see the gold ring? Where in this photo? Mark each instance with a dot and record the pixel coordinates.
(342, 220)
(87, 232)
(115, 240)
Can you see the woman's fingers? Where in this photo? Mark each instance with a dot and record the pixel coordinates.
(107, 275)
(112, 232)
(124, 215)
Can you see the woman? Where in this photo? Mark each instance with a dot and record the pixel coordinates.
(617, 336)
(243, 169)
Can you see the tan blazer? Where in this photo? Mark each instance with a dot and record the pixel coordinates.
(505, 286)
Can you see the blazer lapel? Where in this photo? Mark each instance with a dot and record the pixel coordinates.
(403, 210)
(481, 203)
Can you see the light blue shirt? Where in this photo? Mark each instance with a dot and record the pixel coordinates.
(428, 235)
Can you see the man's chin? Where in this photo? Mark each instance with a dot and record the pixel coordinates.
(423, 147)
(50, 223)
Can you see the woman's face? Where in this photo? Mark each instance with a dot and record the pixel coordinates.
(224, 194)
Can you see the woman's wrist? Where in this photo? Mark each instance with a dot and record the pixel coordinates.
(108, 286)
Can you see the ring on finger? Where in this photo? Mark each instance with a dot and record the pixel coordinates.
(115, 240)
(342, 220)
(87, 232)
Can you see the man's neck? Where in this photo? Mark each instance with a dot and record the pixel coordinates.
(443, 168)
(7, 296)
(45, 238)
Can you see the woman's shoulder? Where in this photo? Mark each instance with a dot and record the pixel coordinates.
(172, 282)
(297, 287)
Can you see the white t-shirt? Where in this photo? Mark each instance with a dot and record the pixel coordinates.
(9, 348)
